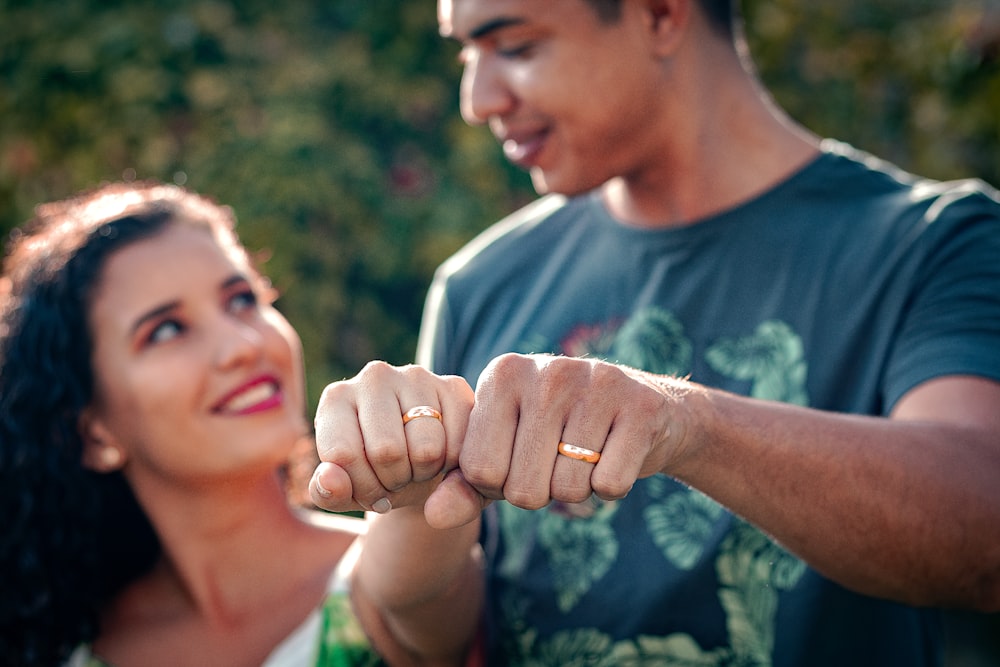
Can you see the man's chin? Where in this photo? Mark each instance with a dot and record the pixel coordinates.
(548, 184)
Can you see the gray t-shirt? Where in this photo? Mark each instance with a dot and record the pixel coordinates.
(840, 289)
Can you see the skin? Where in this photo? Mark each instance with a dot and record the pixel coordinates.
(154, 340)
(369, 447)
(181, 358)
(531, 72)
(904, 507)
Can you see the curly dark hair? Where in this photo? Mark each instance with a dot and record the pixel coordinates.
(73, 537)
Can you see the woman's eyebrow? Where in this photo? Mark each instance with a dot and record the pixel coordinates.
(152, 314)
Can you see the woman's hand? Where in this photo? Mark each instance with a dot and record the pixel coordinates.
(388, 437)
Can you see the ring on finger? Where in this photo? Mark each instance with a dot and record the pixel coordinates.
(579, 453)
(420, 411)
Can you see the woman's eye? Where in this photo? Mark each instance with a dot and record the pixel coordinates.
(244, 300)
(164, 331)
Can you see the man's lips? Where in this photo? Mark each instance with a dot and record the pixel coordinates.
(522, 148)
(260, 394)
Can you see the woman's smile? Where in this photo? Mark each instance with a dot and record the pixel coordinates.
(258, 395)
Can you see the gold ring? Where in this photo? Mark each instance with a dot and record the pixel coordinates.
(579, 453)
(420, 411)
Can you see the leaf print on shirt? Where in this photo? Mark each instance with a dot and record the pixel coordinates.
(579, 647)
(589, 340)
(589, 647)
(515, 523)
(681, 525)
(752, 569)
(653, 340)
(772, 359)
(580, 552)
(677, 650)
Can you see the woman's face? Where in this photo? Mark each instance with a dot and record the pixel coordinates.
(196, 374)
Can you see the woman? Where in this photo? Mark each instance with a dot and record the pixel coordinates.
(150, 398)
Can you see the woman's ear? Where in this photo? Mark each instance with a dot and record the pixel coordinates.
(100, 452)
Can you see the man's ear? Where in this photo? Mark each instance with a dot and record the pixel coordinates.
(668, 22)
(101, 453)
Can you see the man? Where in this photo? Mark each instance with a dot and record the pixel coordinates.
(806, 463)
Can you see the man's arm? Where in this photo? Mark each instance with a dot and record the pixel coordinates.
(906, 508)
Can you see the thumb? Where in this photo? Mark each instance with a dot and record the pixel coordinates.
(454, 503)
(330, 488)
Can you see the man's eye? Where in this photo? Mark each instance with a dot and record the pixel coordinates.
(520, 50)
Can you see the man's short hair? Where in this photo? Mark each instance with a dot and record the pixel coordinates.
(721, 14)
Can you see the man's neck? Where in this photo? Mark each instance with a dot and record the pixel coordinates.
(714, 168)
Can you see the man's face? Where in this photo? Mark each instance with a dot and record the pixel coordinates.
(568, 96)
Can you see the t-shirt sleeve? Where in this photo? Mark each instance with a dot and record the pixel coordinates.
(432, 342)
(952, 326)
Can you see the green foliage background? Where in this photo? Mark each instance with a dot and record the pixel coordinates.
(332, 129)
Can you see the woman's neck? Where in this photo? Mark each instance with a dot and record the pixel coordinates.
(229, 549)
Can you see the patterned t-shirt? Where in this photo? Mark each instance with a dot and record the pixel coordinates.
(840, 289)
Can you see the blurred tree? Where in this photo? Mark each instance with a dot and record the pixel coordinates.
(913, 81)
(329, 127)
(332, 129)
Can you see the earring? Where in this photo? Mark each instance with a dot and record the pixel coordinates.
(111, 457)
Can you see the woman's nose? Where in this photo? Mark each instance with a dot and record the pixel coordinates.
(237, 342)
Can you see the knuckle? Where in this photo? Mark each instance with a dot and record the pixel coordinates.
(525, 499)
(333, 393)
(481, 476)
(411, 371)
(376, 366)
(338, 455)
(505, 368)
(458, 387)
(508, 360)
(375, 373)
(383, 453)
(427, 457)
(609, 487)
(605, 376)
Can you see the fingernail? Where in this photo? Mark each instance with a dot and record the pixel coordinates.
(382, 506)
(320, 489)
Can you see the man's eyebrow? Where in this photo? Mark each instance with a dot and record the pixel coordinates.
(493, 25)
